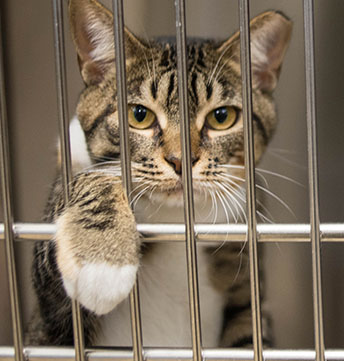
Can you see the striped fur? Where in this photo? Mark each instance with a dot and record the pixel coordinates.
(96, 229)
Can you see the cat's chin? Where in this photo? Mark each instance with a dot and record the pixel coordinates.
(173, 199)
(169, 199)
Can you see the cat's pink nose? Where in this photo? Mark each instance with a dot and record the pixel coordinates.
(176, 163)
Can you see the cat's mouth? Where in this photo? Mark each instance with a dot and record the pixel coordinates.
(171, 195)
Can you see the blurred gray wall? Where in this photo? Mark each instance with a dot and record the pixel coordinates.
(32, 110)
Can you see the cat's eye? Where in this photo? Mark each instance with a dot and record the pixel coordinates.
(222, 118)
(140, 117)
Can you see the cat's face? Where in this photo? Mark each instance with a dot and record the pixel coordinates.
(215, 102)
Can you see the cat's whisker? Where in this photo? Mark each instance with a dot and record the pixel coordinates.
(213, 200)
(218, 193)
(283, 150)
(241, 179)
(265, 171)
(287, 161)
(235, 195)
(103, 158)
(242, 198)
(207, 192)
(142, 183)
(230, 196)
(224, 204)
(238, 198)
(278, 199)
(152, 191)
(281, 176)
(264, 218)
(134, 201)
(230, 176)
(239, 267)
(101, 164)
(104, 172)
(157, 209)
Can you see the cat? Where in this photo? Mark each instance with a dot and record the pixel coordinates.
(97, 252)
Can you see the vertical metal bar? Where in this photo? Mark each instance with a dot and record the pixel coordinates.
(61, 85)
(245, 54)
(121, 83)
(313, 178)
(187, 182)
(8, 217)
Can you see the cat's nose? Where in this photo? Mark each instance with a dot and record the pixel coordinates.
(176, 163)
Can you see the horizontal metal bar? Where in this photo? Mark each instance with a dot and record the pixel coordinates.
(151, 354)
(330, 232)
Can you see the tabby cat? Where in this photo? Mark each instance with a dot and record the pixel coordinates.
(97, 252)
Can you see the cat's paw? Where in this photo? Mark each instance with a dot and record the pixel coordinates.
(97, 244)
(100, 287)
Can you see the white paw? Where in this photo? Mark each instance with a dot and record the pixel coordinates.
(100, 287)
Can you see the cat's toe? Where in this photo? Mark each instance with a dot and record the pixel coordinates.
(100, 287)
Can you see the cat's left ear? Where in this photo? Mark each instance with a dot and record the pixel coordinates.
(270, 34)
(92, 32)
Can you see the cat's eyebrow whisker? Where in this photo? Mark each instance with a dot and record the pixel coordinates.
(217, 63)
(219, 71)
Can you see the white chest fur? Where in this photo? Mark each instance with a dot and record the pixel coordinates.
(164, 303)
(164, 295)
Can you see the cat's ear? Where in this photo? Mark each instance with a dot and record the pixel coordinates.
(92, 31)
(270, 35)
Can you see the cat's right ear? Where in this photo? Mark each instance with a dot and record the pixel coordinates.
(92, 31)
(270, 35)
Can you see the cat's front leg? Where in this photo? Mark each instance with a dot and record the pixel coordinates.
(97, 243)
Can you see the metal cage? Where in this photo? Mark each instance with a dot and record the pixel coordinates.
(315, 233)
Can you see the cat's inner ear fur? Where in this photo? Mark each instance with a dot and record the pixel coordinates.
(270, 34)
(92, 31)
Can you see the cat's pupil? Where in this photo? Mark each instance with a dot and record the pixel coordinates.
(140, 113)
(221, 114)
